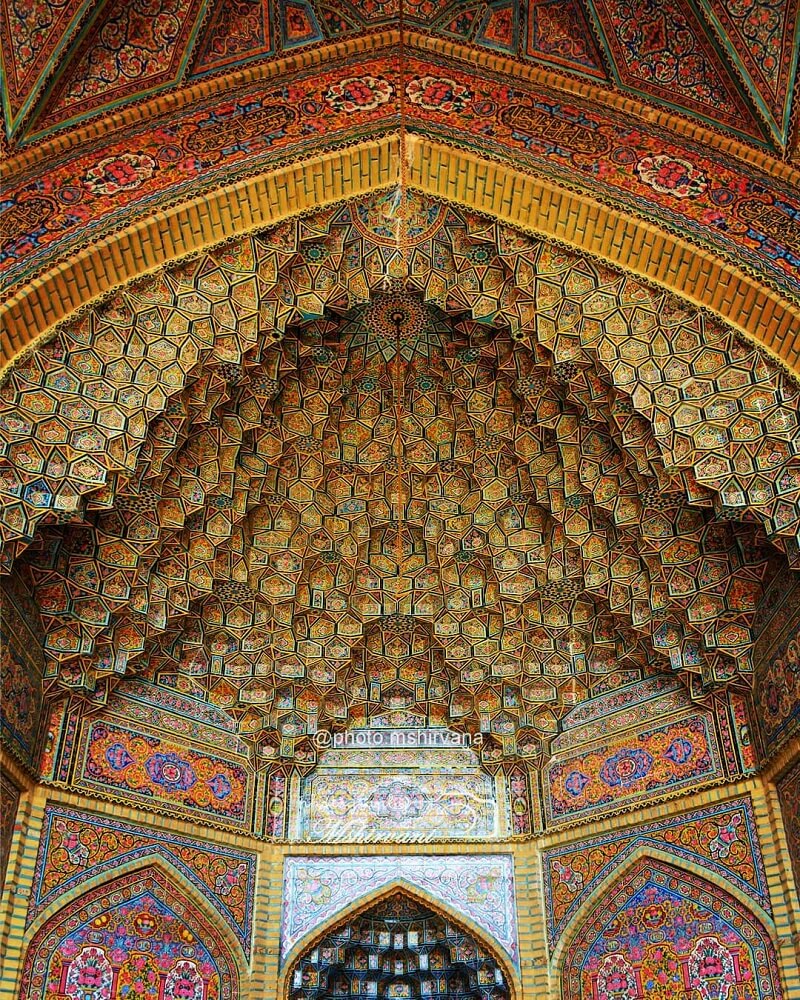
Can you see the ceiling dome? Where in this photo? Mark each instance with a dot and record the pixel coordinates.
(395, 457)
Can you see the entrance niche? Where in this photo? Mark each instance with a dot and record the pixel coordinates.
(398, 948)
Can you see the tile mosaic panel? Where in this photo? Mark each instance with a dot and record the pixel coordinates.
(628, 769)
(237, 31)
(558, 33)
(738, 732)
(395, 805)
(721, 838)
(763, 37)
(60, 728)
(666, 52)
(163, 773)
(661, 932)
(523, 804)
(278, 802)
(76, 846)
(132, 48)
(29, 45)
(480, 886)
(134, 937)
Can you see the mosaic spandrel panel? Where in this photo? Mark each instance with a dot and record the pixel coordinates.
(640, 765)
(721, 838)
(76, 846)
(164, 773)
(390, 805)
(480, 886)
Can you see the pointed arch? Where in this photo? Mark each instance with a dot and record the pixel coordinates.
(370, 899)
(157, 856)
(628, 859)
(500, 190)
(630, 930)
(99, 900)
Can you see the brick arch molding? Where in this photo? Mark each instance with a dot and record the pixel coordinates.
(520, 199)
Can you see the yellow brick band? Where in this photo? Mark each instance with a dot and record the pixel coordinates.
(435, 169)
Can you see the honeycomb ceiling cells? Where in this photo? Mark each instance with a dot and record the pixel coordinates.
(395, 463)
(398, 948)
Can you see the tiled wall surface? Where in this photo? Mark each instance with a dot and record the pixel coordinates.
(243, 900)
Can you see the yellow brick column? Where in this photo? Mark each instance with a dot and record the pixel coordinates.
(267, 924)
(18, 888)
(784, 891)
(534, 965)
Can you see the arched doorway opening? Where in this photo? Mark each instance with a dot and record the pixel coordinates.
(398, 947)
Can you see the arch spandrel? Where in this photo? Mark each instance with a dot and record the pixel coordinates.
(637, 935)
(633, 859)
(67, 944)
(158, 856)
(319, 891)
(402, 888)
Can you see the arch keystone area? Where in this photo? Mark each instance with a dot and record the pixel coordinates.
(521, 199)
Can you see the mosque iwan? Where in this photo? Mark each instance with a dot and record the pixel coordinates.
(400, 499)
